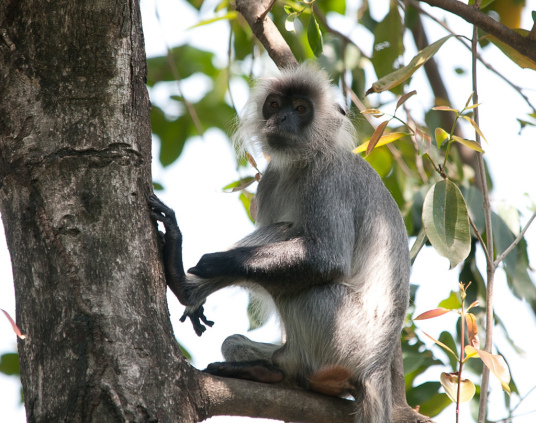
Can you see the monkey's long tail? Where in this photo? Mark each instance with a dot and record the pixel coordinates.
(373, 400)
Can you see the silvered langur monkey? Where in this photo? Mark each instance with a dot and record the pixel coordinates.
(330, 252)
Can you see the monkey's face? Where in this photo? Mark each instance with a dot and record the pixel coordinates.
(287, 117)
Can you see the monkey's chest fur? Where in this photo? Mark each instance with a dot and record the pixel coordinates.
(280, 197)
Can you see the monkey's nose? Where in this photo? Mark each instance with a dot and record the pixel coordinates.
(283, 118)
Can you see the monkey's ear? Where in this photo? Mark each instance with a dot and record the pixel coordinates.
(340, 109)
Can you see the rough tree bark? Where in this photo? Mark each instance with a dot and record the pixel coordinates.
(74, 178)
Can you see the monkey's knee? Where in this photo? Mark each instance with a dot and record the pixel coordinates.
(240, 348)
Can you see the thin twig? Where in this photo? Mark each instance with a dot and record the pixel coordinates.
(175, 73)
(229, 63)
(268, 8)
(516, 241)
(479, 237)
(523, 398)
(189, 106)
(489, 236)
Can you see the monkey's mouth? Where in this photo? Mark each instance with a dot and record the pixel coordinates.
(280, 140)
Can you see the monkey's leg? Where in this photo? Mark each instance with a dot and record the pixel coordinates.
(248, 360)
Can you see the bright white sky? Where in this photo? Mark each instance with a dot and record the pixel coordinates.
(212, 220)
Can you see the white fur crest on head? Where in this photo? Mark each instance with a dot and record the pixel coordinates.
(329, 131)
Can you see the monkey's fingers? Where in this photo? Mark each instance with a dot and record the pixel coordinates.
(159, 210)
(196, 317)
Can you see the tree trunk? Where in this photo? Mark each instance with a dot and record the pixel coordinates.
(75, 161)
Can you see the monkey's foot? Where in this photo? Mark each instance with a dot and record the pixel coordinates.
(258, 371)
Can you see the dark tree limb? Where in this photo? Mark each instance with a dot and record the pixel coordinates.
(524, 45)
(234, 397)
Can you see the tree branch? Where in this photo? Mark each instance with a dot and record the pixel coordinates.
(255, 13)
(235, 397)
(516, 241)
(489, 235)
(523, 45)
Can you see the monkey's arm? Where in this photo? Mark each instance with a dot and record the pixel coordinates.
(176, 279)
(321, 254)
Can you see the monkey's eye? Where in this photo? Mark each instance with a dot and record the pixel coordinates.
(274, 105)
(301, 109)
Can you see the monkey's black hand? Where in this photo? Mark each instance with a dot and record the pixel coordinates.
(161, 212)
(196, 317)
(216, 264)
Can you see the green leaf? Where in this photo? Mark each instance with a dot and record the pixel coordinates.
(452, 302)
(289, 22)
(483, 4)
(228, 16)
(257, 317)
(381, 160)
(185, 353)
(388, 43)
(447, 339)
(404, 98)
(428, 398)
(236, 184)
(383, 140)
(9, 364)
(475, 126)
(514, 55)
(440, 136)
(338, 6)
(516, 263)
(172, 134)
(475, 205)
(446, 222)
(242, 41)
(196, 3)
(314, 36)
(473, 145)
(245, 198)
(187, 59)
(397, 77)
(417, 246)
(224, 4)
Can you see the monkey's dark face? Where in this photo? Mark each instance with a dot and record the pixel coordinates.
(287, 116)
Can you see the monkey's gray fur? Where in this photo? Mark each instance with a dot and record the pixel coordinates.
(330, 249)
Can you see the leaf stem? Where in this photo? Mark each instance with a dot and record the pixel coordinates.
(479, 237)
